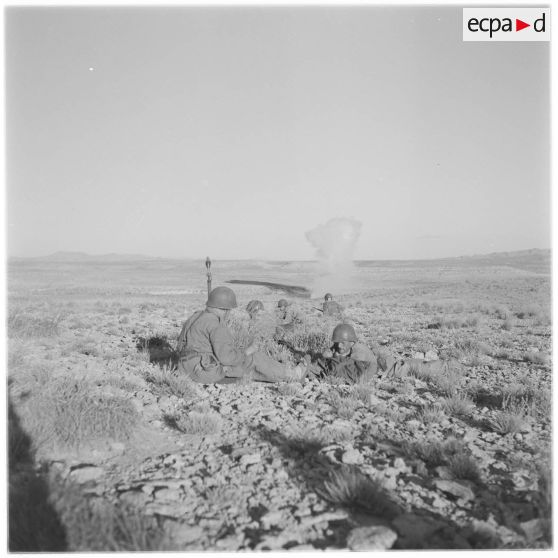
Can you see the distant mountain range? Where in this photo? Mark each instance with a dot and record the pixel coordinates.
(494, 257)
(83, 257)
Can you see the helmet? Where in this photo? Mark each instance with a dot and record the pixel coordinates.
(343, 332)
(328, 295)
(282, 303)
(221, 297)
(254, 305)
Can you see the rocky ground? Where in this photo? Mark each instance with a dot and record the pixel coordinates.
(459, 460)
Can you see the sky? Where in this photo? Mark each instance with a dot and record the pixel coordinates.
(232, 132)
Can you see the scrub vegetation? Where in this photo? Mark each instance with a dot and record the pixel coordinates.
(111, 448)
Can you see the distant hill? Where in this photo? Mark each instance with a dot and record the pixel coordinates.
(78, 257)
(535, 260)
(532, 253)
(538, 261)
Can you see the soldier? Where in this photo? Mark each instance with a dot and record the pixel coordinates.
(352, 361)
(207, 352)
(287, 317)
(262, 324)
(254, 307)
(331, 308)
(288, 313)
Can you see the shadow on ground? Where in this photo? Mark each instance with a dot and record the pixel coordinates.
(34, 525)
(160, 351)
(345, 486)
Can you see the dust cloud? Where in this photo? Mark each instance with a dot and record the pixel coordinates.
(335, 243)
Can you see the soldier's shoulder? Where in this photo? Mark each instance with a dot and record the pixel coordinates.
(361, 351)
(203, 318)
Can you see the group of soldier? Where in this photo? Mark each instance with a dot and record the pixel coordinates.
(208, 353)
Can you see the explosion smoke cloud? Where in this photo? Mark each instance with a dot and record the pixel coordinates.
(335, 242)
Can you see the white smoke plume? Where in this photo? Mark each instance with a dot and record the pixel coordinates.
(335, 244)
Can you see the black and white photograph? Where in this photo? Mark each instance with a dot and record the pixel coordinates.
(278, 277)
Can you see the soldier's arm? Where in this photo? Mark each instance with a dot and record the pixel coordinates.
(362, 352)
(222, 343)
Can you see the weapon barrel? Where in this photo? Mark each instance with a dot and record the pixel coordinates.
(208, 266)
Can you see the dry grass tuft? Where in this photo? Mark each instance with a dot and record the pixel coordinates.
(536, 358)
(22, 325)
(309, 338)
(458, 404)
(448, 382)
(289, 389)
(431, 415)
(463, 466)
(421, 371)
(363, 392)
(350, 488)
(506, 422)
(429, 451)
(344, 405)
(541, 316)
(167, 380)
(503, 312)
(74, 411)
(309, 439)
(277, 351)
(452, 452)
(238, 324)
(97, 525)
(443, 322)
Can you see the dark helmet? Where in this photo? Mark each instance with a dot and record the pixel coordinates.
(328, 295)
(254, 306)
(343, 332)
(221, 297)
(282, 303)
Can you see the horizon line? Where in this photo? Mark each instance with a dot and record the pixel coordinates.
(75, 254)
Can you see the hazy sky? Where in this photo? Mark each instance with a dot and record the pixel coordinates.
(230, 132)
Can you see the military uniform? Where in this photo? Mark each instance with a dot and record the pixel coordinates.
(358, 363)
(332, 308)
(288, 318)
(207, 353)
(361, 364)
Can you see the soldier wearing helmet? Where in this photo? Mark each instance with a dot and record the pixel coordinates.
(331, 308)
(346, 359)
(207, 351)
(350, 360)
(254, 307)
(345, 344)
(287, 316)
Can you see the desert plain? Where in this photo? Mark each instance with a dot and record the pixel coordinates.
(110, 449)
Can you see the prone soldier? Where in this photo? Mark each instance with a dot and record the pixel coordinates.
(348, 359)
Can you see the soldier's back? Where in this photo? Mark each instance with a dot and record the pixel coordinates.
(332, 308)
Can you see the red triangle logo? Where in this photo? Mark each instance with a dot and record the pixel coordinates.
(519, 25)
